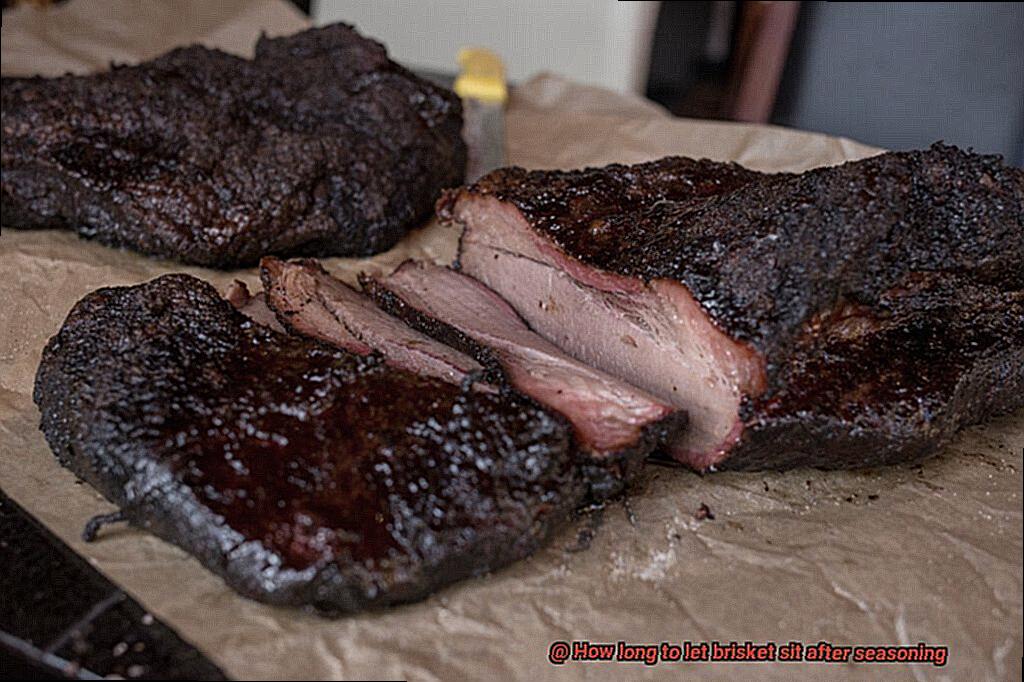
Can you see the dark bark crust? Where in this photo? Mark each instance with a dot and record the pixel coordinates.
(302, 474)
(319, 145)
(762, 253)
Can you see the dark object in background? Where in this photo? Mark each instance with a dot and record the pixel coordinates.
(680, 53)
(761, 47)
(302, 474)
(897, 75)
(720, 59)
(320, 145)
(902, 74)
(61, 619)
(847, 316)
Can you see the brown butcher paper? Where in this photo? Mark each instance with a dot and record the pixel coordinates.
(895, 556)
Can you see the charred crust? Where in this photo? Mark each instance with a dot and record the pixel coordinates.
(219, 160)
(197, 407)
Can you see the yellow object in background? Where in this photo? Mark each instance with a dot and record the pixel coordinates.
(482, 77)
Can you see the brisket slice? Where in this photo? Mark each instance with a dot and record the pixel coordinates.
(616, 424)
(735, 294)
(319, 145)
(253, 306)
(301, 473)
(309, 301)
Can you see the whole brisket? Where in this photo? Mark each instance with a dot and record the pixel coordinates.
(301, 473)
(845, 316)
(319, 145)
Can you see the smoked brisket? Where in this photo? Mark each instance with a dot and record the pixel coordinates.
(845, 316)
(319, 145)
(301, 473)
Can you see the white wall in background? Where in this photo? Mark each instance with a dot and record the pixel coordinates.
(601, 42)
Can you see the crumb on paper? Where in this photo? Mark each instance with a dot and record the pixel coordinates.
(704, 513)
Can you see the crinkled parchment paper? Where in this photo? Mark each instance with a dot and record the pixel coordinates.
(900, 555)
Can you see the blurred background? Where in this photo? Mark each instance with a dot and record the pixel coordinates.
(895, 75)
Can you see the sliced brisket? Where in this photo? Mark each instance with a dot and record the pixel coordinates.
(310, 301)
(615, 423)
(731, 293)
(253, 306)
(319, 145)
(301, 473)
